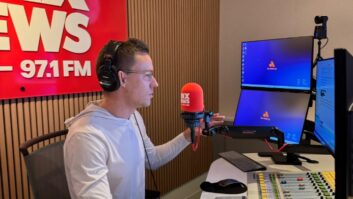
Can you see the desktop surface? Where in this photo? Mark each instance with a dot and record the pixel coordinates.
(221, 169)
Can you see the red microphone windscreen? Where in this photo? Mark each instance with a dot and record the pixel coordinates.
(192, 98)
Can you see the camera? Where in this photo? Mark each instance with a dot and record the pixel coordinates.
(321, 29)
(321, 19)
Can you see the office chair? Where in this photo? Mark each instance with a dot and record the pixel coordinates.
(45, 167)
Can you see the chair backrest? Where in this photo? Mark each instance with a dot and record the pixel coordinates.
(45, 167)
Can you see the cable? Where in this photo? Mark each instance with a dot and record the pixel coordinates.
(316, 59)
(282, 147)
(198, 139)
(268, 145)
(148, 159)
(325, 43)
(272, 149)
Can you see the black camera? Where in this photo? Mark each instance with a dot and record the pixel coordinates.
(321, 19)
(321, 29)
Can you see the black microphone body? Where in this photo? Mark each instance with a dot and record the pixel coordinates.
(192, 120)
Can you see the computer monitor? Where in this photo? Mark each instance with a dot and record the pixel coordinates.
(343, 123)
(284, 110)
(325, 103)
(277, 63)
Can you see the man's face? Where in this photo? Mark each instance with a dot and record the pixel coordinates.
(140, 81)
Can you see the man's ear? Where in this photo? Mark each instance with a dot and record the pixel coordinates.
(122, 78)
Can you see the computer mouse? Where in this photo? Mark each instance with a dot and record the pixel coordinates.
(228, 186)
(227, 182)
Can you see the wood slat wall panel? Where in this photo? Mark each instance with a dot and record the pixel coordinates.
(22, 135)
(9, 150)
(183, 39)
(50, 116)
(1, 191)
(15, 142)
(3, 155)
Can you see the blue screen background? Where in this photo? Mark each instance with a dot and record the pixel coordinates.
(325, 104)
(287, 111)
(291, 58)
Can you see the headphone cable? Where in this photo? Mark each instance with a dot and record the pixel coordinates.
(148, 159)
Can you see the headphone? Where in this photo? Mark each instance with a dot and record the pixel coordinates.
(107, 72)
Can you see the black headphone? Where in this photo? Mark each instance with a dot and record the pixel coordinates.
(107, 72)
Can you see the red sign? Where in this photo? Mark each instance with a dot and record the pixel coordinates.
(49, 47)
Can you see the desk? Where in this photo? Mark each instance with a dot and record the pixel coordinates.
(221, 169)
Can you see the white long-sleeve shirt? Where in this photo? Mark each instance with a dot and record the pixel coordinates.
(105, 158)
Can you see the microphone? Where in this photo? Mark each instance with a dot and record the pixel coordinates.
(192, 106)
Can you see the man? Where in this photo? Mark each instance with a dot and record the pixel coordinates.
(107, 147)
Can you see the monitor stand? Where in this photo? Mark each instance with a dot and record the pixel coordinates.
(290, 155)
(290, 158)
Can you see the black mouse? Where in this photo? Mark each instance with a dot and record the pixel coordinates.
(228, 186)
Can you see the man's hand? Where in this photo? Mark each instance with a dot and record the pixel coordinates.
(216, 119)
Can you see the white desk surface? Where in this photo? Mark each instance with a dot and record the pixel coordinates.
(221, 169)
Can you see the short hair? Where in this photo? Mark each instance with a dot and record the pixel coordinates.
(124, 56)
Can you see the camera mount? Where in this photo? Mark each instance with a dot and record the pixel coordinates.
(320, 32)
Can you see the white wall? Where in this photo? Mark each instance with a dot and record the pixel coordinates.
(246, 20)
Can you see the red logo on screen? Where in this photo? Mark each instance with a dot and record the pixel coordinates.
(272, 66)
(265, 116)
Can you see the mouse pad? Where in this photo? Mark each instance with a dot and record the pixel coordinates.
(227, 186)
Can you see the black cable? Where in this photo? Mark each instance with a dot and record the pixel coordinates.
(148, 159)
(325, 43)
(317, 58)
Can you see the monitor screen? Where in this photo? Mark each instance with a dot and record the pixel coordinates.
(284, 110)
(277, 64)
(325, 103)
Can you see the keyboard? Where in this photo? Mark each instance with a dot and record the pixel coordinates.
(241, 161)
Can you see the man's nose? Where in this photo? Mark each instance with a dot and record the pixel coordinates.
(154, 82)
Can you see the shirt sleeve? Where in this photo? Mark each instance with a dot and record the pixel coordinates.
(85, 159)
(161, 154)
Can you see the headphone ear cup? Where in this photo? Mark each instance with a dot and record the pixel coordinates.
(107, 76)
(107, 72)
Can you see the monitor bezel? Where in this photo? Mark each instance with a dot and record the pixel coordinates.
(306, 113)
(318, 137)
(343, 120)
(276, 88)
